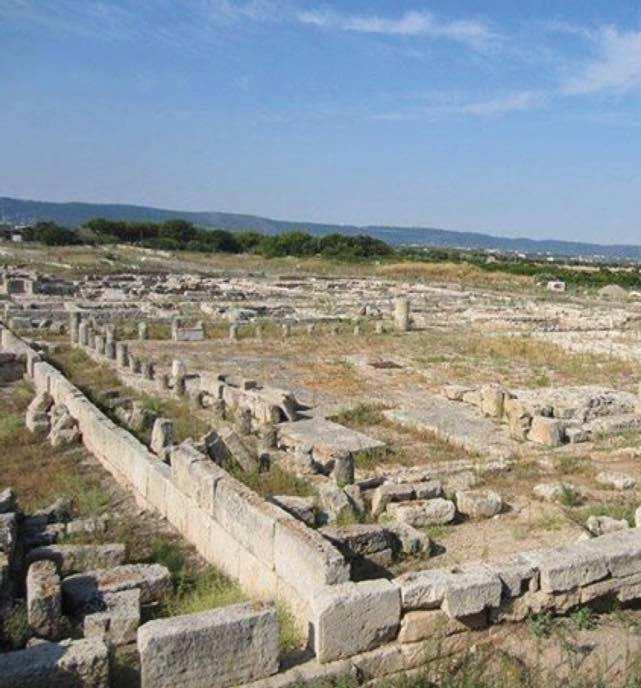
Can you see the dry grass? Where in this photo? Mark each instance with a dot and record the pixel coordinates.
(38, 473)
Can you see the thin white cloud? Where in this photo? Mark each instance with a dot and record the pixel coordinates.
(520, 101)
(616, 67)
(413, 23)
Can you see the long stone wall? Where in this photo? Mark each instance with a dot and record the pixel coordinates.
(270, 553)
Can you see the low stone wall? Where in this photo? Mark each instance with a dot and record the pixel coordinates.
(269, 552)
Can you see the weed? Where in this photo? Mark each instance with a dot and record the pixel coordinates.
(569, 497)
(290, 638)
(360, 416)
(16, 626)
(209, 589)
(275, 481)
(583, 619)
(541, 624)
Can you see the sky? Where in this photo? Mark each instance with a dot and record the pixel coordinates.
(514, 118)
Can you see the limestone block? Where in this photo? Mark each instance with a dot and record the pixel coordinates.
(354, 617)
(8, 533)
(385, 494)
(305, 560)
(77, 558)
(214, 649)
(7, 500)
(117, 622)
(71, 664)
(516, 575)
(411, 540)
(335, 504)
(44, 606)
(302, 508)
(153, 581)
(423, 589)
(162, 436)
(422, 513)
(471, 591)
(601, 525)
(555, 492)
(360, 539)
(246, 459)
(429, 624)
(565, 568)
(637, 517)
(478, 504)
(621, 550)
(492, 400)
(548, 431)
(615, 481)
(429, 489)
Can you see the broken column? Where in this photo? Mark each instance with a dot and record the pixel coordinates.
(44, 605)
(162, 437)
(74, 327)
(402, 314)
(83, 333)
(142, 330)
(122, 354)
(233, 333)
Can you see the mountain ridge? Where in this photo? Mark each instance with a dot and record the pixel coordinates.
(74, 214)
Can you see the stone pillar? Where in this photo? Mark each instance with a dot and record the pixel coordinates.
(110, 349)
(357, 330)
(178, 368)
(83, 333)
(99, 344)
(402, 314)
(380, 327)
(233, 333)
(134, 364)
(91, 339)
(74, 327)
(32, 359)
(287, 329)
(311, 328)
(122, 354)
(142, 330)
(175, 325)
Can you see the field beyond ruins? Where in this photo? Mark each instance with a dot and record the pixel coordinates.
(222, 470)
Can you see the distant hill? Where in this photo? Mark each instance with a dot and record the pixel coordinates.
(18, 211)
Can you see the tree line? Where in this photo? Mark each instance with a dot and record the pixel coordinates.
(180, 235)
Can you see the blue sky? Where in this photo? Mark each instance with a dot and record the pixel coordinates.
(518, 118)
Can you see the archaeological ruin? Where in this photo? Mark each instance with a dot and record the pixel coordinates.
(375, 465)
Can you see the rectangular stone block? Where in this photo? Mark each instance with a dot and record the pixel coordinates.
(305, 560)
(470, 592)
(422, 589)
(77, 558)
(565, 568)
(214, 649)
(44, 601)
(354, 617)
(71, 664)
(118, 622)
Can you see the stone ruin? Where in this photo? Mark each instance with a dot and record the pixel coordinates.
(371, 627)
